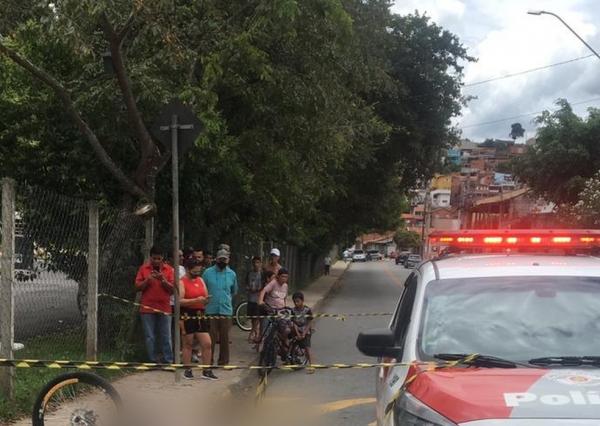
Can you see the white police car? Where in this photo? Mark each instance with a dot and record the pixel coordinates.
(527, 302)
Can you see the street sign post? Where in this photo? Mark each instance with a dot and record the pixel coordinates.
(185, 140)
(169, 120)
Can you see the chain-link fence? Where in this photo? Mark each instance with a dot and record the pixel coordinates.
(50, 265)
(50, 287)
(52, 237)
(120, 254)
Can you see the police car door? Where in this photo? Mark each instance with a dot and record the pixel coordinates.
(389, 380)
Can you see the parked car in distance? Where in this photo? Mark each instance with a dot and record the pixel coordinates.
(412, 261)
(401, 257)
(359, 256)
(374, 255)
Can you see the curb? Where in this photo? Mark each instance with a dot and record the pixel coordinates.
(248, 379)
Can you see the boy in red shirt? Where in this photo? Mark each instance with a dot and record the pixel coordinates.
(155, 280)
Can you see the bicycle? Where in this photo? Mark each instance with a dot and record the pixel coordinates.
(77, 399)
(271, 339)
(297, 353)
(272, 344)
(241, 316)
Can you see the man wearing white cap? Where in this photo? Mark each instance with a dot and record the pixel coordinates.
(273, 264)
(221, 282)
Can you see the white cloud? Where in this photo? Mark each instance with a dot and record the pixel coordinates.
(506, 40)
(436, 9)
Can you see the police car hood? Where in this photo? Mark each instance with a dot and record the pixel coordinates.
(469, 394)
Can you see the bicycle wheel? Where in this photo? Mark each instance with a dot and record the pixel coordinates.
(298, 354)
(268, 358)
(268, 355)
(241, 320)
(77, 399)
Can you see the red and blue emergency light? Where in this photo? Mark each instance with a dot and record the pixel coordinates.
(517, 238)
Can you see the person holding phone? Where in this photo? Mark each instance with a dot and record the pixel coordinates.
(155, 281)
(193, 298)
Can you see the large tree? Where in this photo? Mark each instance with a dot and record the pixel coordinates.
(566, 153)
(62, 50)
(318, 114)
(406, 239)
(416, 103)
(516, 131)
(585, 213)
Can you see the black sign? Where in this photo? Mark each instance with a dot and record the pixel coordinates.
(185, 117)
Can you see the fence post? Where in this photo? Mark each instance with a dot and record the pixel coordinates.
(92, 290)
(7, 273)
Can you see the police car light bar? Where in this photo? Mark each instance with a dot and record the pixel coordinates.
(518, 238)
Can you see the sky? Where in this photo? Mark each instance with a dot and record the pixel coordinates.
(506, 40)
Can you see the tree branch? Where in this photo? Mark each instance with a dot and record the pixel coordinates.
(126, 28)
(127, 184)
(135, 117)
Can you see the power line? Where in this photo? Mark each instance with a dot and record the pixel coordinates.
(500, 120)
(489, 80)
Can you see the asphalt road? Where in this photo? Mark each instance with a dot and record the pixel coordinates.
(345, 397)
(45, 305)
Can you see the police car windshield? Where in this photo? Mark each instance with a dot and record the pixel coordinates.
(516, 318)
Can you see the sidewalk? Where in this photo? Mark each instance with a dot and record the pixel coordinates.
(154, 399)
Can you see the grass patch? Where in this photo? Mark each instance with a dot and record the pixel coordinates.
(29, 381)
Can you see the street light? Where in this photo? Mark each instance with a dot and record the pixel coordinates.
(544, 12)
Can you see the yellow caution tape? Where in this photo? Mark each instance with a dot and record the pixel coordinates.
(147, 366)
(339, 317)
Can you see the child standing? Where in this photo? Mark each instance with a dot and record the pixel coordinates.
(254, 284)
(301, 325)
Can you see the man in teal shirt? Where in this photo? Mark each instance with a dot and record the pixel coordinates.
(221, 282)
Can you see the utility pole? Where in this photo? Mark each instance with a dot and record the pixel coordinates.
(501, 209)
(174, 129)
(169, 120)
(425, 225)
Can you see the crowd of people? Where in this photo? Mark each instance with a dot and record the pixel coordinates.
(206, 290)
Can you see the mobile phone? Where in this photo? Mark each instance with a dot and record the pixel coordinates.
(156, 268)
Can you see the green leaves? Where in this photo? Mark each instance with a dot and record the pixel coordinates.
(286, 9)
(516, 131)
(405, 239)
(566, 153)
(318, 114)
